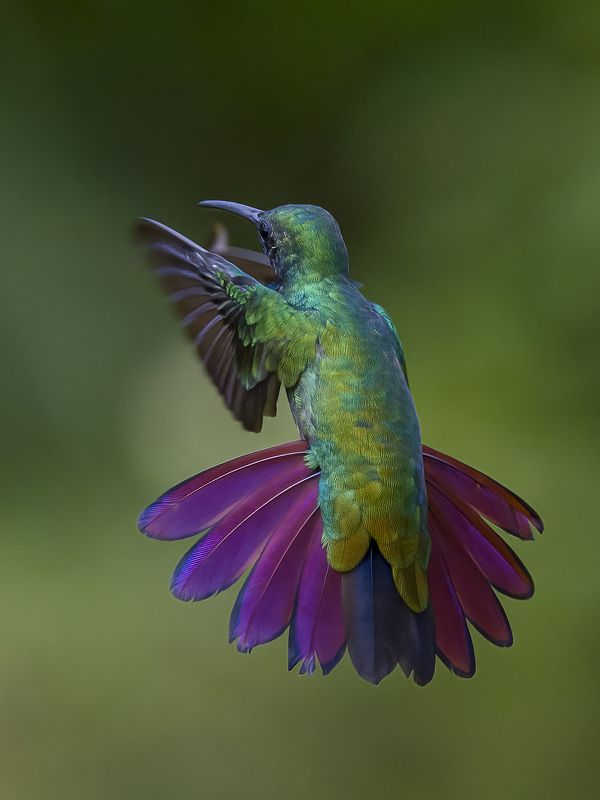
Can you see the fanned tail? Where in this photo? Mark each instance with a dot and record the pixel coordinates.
(469, 560)
(259, 514)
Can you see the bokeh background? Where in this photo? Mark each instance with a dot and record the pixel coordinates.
(458, 144)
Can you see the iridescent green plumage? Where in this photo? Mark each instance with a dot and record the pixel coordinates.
(341, 360)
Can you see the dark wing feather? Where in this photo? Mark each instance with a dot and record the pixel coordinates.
(210, 318)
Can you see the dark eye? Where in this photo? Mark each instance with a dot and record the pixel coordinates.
(264, 231)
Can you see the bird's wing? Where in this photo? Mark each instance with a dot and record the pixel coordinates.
(399, 350)
(249, 338)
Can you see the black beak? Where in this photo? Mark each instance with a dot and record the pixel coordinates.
(247, 212)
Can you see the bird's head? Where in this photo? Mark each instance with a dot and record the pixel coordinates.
(300, 241)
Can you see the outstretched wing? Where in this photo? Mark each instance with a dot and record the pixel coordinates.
(249, 338)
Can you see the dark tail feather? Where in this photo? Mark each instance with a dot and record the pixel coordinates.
(382, 630)
(476, 596)
(469, 559)
(452, 637)
(264, 606)
(488, 497)
(317, 632)
(221, 557)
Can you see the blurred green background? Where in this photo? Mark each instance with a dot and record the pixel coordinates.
(458, 144)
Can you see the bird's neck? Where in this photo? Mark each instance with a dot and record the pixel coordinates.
(310, 289)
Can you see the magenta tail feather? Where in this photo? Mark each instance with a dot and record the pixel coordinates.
(263, 608)
(222, 556)
(259, 513)
(317, 632)
(498, 564)
(488, 497)
(476, 596)
(453, 641)
(469, 560)
(196, 504)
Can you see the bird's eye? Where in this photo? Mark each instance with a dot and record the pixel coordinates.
(264, 231)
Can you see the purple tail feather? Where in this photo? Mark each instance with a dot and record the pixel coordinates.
(259, 514)
(382, 630)
(317, 632)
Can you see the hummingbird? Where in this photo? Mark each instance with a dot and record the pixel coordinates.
(356, 536)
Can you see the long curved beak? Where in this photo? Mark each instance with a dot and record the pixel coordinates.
(247, 212)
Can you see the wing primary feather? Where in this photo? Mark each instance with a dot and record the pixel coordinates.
(212, 296)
